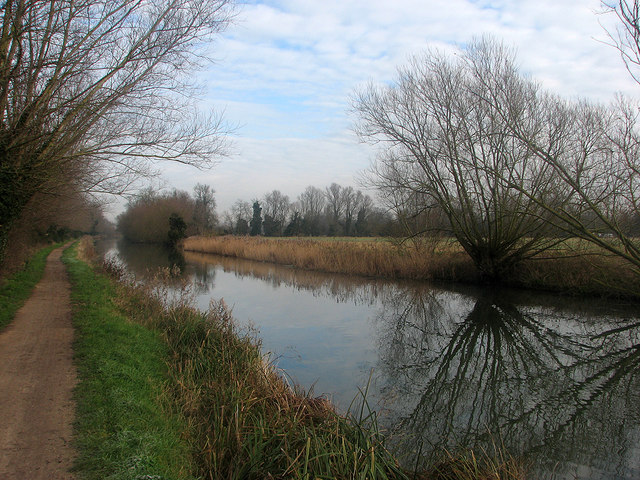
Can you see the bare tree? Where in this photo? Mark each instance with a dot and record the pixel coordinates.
(238, 217)
(204, 211)
(443, 143)
(589, 153)
(626, 38)
(594, 154)
(334, 201)
(93, 91)
(356, 207)
(311, 204)
(276, 206)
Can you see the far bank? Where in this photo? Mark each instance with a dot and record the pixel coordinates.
(571, 268)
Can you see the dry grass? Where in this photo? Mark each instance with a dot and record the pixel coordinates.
(86, 250)
(573, 267)
(598, 275)
(352, 256)
(468, 465)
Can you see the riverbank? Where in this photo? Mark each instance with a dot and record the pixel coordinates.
(124, 427)
(572, 268)
(230, 414)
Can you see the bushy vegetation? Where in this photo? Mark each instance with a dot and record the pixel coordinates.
(154, 217)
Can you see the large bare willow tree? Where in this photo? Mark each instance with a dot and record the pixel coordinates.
(593, 150)
(93, 92)
(442, 143)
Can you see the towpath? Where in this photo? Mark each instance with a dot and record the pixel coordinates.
(37, 377)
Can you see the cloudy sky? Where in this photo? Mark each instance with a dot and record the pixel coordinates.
(285, 70)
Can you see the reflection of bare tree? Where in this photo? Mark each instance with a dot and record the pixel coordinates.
(554, 390)
(203, 277)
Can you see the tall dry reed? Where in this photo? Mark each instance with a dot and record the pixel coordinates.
(363, 257)
(573, 268)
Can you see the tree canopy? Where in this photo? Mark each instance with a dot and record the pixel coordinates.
(93, 91)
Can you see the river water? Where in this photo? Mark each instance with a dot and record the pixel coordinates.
(554, 379)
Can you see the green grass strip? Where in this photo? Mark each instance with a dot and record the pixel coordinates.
(16, 289)
(122, 429)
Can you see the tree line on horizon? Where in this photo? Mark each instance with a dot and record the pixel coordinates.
(331, 211)
(335, 210)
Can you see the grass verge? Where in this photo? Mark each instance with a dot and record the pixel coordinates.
(16, 289)
(244, 421)
(124, 429)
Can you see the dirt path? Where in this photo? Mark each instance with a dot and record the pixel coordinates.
(37, 377)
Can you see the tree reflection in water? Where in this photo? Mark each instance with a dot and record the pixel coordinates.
(456, 368)
(564, 393)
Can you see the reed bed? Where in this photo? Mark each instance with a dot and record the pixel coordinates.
(573, 267)
(364, 257)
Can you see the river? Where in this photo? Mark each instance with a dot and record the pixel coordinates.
(551, 378)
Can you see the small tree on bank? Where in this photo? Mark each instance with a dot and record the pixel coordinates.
(177, 230)
(256, 220)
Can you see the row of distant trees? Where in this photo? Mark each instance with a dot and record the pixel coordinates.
(157, 217)
(331, 211)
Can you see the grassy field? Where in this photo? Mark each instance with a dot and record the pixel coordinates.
(572, 267)
(17, 288)
(168, 392)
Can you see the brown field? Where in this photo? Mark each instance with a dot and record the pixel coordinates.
(574, 267)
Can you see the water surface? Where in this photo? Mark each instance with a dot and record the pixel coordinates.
(555, 379)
